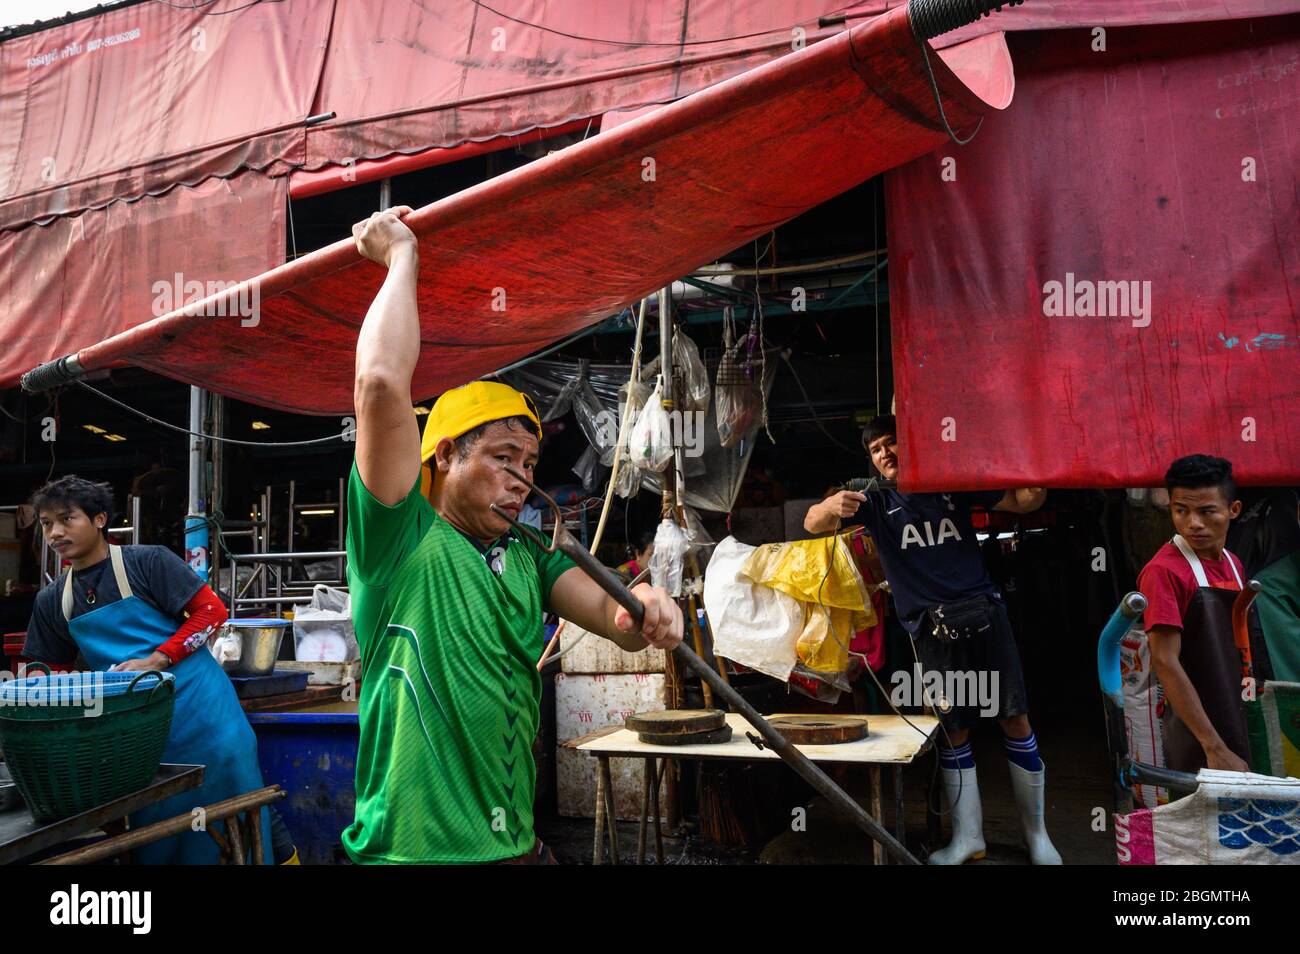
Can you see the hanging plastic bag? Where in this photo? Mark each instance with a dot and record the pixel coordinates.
(564, 400)
(666, 562)
(696, 536)
(589, 471)
(322, 630)
(631, 401)
(599, 425)
(695, 378)
(741, 407)
(652, 437)
(628, 482)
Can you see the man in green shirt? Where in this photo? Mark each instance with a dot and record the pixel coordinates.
(447, 599)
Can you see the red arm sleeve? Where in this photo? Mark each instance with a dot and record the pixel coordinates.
(206, 613)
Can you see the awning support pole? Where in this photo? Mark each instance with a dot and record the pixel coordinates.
(196, 524)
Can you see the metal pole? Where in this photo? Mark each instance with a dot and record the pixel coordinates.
(215, 500)
(196, 524)
(343, 497)
(668, 511)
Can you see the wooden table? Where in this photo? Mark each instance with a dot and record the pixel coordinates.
(890, 742)
(308, 698)
(22, 836)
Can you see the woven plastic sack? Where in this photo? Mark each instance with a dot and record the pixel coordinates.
(1233, 818)
(753, 625)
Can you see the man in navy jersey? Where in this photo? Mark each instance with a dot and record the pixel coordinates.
(960, 630)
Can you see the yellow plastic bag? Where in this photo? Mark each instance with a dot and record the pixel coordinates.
(822, 575)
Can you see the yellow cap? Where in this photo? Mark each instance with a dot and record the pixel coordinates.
(462, 409)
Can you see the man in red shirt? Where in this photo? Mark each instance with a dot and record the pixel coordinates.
(1190, 586)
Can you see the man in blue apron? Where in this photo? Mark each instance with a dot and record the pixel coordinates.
(1190, 586)
(124, 608)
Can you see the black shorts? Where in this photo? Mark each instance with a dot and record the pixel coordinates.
(980, 677)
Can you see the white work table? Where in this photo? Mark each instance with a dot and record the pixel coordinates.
(890, 741)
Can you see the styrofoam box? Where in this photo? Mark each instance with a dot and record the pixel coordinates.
(584, 703)
(590, 654)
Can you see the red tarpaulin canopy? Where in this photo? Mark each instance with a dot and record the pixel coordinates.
(521, 260)
(182, 96)
(1170, 161)
(135, 104)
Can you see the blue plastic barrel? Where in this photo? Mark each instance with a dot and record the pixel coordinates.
(313, 757)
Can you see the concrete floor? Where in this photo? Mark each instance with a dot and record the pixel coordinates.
(1077, 785)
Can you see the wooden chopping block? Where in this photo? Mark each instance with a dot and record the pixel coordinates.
(820, 730)
(677, 721)
(710, 737)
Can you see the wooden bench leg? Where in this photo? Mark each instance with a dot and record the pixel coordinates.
(647, 769)
(597, 855)
(611, 813)
(877, 812)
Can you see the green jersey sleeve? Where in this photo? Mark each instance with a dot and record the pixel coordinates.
(550, 566)
(379, 537)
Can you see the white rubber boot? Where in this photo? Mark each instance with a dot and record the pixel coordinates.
(967, 817)
(1028, 787)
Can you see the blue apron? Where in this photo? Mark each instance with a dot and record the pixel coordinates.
(208, 726)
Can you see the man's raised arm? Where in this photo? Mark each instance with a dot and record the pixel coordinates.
(388, 435)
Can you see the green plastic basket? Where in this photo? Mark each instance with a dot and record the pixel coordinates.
(65, 761)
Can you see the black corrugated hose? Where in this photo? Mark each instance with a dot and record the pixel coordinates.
(930, 18)
(52, 374)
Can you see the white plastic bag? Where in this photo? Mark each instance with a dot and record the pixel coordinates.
(752, 624)
(322, 630)
(666, 562)
(652, 436)
(228, 647)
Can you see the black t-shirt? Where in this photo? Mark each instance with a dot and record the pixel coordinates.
(156, 574)
(928, 548)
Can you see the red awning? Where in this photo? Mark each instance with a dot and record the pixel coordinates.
(1170, 162)
(81, 279)
(521, 260)
(137, 100)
